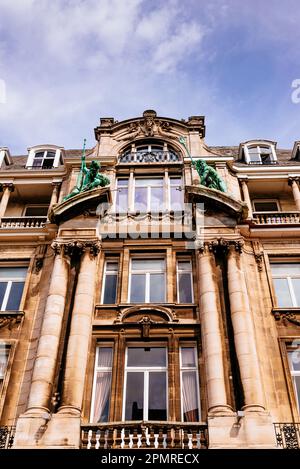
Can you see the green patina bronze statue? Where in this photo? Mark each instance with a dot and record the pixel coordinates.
(208, 175)
(88, 178)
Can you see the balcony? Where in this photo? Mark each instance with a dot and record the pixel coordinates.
(144, 435)
(22, 222)
(154, 156)
(287, 435)
(276, 218)
(7, 437)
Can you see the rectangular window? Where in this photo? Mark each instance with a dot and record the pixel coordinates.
(122, 196)
(185, 281)
(44, 159)
(190, 403)
(36, 211)
(147, 281)
(4, 354)
(266, 205)
(102, 384)
(12, 280)
(176, 194)
(149, 195)
(286, 279)
(294, 361)
(110, 282)
(260, 154)
(145, 395)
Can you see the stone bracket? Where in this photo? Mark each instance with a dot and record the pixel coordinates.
(10, 318)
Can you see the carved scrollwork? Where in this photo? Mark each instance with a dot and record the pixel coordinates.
(286, 316)
(77, 247)
(10, 318)
(221, 244)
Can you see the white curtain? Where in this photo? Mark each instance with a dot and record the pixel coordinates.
(103, 384)
(189, 396)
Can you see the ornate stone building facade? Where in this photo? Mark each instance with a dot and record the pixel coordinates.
(153, 311)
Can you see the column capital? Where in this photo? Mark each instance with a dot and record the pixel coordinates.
(69, 248)
(56, 184)
(8, 185)
(221, 244)
(293, 179)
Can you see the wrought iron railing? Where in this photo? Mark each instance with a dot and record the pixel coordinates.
(276, 218)
(287, 435)
(7, 437)
(22, 222)
(154, 156)
(144, 435)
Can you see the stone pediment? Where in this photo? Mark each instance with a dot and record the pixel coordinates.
(96, 200)
(216, 201)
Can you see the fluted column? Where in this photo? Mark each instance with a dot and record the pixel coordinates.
(211, 331)
(246, 196)
(80, 332)
(293, 182)
(54, 195)
(45, 363)
(7, 189)
(243, 328)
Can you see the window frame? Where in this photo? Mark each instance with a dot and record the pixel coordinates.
(294, 373)
(149, 192)
(5, 382)
(289, 281)
(9, 285)
(147, 280)
(105, 273)
(258, 146)
(185, 259)
(284, 344)
(35, 206)
(97, 369)
(146, 371)
(254, 201)
(196, 369)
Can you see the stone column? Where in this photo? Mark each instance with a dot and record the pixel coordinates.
(293, 182)
(80, 333)
(211, 332)
(54, 195)
(246, 196)
(7, 189)
(244, 337)
(45, 363)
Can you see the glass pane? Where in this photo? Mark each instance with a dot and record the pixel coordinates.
(146, 356)
(102, 397)
(296, 288)
(176, 199)
(157, 288)
(137, 291)
(10, 273)
(36, 211)
(122, 200)
(140, 200)
(283, 295)
(110, 290)
(185, 288)
(184, 265)
(4, 352)
(148, 265)
(39, 154)
(157, 407)
(190, 405)
(134, 404)
(50, 154)
(15, 296)
(149, 182)
(188, 357)
(122, 182)
(265, 206)
(297, 389)
(294, 359)
(157, 198)
(105, 356)
(175, 182)
(111, 266)
(3, 286)
(37, 163)
(286, 269)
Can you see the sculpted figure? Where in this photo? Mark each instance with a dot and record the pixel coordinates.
(209, 176)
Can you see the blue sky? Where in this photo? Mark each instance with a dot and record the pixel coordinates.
(65, 63)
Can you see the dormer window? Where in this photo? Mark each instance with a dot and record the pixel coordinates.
(149, 151)
(296, 151)
(5, 158)
(44, 157)
(259, 152)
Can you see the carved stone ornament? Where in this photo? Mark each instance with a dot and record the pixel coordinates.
(77, 247)
(149, 126)
(10, 318)
(146, 323)
(221, 244)
(286, 317)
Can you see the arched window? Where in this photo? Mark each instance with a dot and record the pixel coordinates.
(149, 151)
